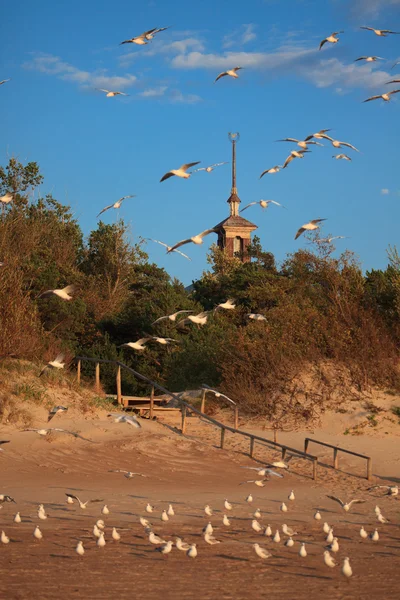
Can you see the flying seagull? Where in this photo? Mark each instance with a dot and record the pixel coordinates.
(346, 505)
(332, 39)
(320, 135)
(44, 432)
(264, 471)
(7, 198)
(263, 203)
(302, 143)
(54, 364)
(111, 94)
(310, 226)
(330, 239)
(341, 157)
(386, 97)
(169, 247)
(392, 490)
(196, 239)
(55, 411)
(116, 204)
(381, 32)
(164, 341)
(392, 81)
(216, 393)
(172, 317)
(230, 72)
(200, 319)
(127, 474)
(145, 37)
(4, 81)
(396, 63)
(139, 345)
(82, 505)
(369, 58)
(273, 170)
(294, 154)
(337, 144)
(210, 168)
(228, 305)
(256, 317)
(130, 419)
(64, 293)
(181, 172)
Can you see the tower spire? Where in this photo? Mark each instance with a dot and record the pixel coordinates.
(234, 200)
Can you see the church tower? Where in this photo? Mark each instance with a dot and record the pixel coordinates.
(234, 233)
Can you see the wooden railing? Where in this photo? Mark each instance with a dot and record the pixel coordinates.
(186, 407)
(337, 449)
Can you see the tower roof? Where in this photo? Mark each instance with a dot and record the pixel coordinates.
(235, 221)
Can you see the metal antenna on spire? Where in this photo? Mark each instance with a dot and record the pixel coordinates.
(234, 137)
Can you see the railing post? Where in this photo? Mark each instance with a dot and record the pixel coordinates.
(315, 465)
(78, 372)
(203, 401)
(97, 385)
(183, 427)
(335, 458)
(275, 435)
(118, 382)
(222, 437)
(251, 447)
(236, 417)
(152, 402)
(369, 469)
(306, 442)
(283, 453)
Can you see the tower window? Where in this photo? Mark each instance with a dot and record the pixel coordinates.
(237, 244)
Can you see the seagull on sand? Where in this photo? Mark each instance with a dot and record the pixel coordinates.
(145, 523)
(80, 549)
(139, 345)
(172, 317)
(115, 535)
(317, 516)
(289, 542)
(277, 537)
(228, 505)
(149, 509)
(54, 364)
(4, 539)
(374, 536)
(17, 518)
(101, 542)
(41, 513)
(283, 507)
(334, 546)
(181, 545)
(155, 539)
(392, 490)
(272, 170)
(369, 58)
(144, 37)
(301, 143)
(330, 536)
(192, 552)
(268, 531)
(386, 97)
(249, 499)
(256, 526)
(303, 551)
(332, 39)
(164, 516)
(294, 154)
(257, 514)
(208, 510)
(291, 496)
(96, 531)
(127, 474)
(44, 432)
(111, 94)
(326, 527)
(377, 510)
(288, 530)
(100, 522)
(4, 81)
(5, 498)
(310, 226)
(363, 533)
(168, 250)
(210, 168)
(82, 505)
(230, 72)
(210, 539)
(346, 505)
(7, 198)
(196, 239)
(208, 528)
(170, 511)
(55, 411)
(382, 519)
(64, 293)
(328, 560)
(181, 172)
(105, 510)
(381, 32)
(37, 534)
(116, 204)
(226, 521)
(347, 571)
(263, 203)
(258, 482)
(261, 552)
(341, 157)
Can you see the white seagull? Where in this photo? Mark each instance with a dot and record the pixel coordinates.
(64, 293)
(208, 510)
(127, 474)
(363, 533)
(256, 317)
(116, 204)
(320, 135)
(226, 521)
(4, 538)
(347, 571)
(54, 364)
(227, 505)
(181, 172)
(261, 552)
(196, 239)
(4, 81)
(155, 539)
(228, 305)
(291, 496)
(338, 144)
(272, 170)
(139, 345)
(230, 72)
(326, 527)
(111, 94)
(144, 37)
(17, 518)
(386, 97)
(288, 530)
(149, 508)
(130, 419)
(200, 319)
(210, 539)
(294, 154)
(341, 157)
(301, 143)
(375, 536)
(55, 411)
(328, 560)
(303, 551)
(381, 32)
(346, 505)
(210, 168)
(82, 505)
(310, 226)
(168, 250)
(277, 537)
(392, 490)
(256, 526)
(172, 317)
(7, 198)
(192, 552)
(332, 39)
(80, 549)
(283, 507)
(44, 432)
(101, 542)
(165, 548)
(263, 203)
(181, 545)
(317, 516)
(369, 58)
(115, 535)
(37, 534)
(289, 542)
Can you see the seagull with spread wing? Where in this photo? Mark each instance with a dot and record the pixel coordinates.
(294, 154)
(4, 81)
(172, 317)
(169, 247)
(210, 168)
(263, 203)
(196, 239)
(7, 198)
(341, 157)
(301, 143)
(369, 58)
(230, 72)
(144, 37)
(272, 170)
(200, 319)
(381, 32)
(82, 505)
(64, 293)
(44, 432)
(310, 226)
(386, 97)
(57, 363)
(139, 345)
(392, 490)
(337, 144)
(127, 474)
(55, 411)
(346, 505)
(332, 39)
(320, 135)
(116, 204)
(111, 94)
(329, 240)
(130, 419)
(181, 172)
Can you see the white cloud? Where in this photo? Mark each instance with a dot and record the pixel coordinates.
(159, 46)
(154, 92)
(385, 191)
(371, 8)
(178, 96)
(53, 65)
(240, 37)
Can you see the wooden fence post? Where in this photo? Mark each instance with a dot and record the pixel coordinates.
(306, 441)
(236, 417)
(335, 458)
(222, 437)
(152, 402)
(78, 372)
(369, 469)
(97, 385)
(183, 427)
(203, 401)
(251, 447)
(118, 381)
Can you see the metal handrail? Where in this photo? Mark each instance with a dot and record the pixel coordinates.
(337, 449)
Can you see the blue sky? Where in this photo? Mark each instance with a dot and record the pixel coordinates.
(94, 149)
